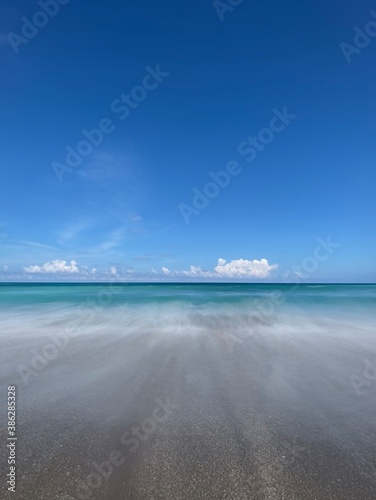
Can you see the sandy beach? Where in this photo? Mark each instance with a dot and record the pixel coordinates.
(177, 416)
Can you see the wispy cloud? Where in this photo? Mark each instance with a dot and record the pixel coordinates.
(114, 239)
(105, 166)
(37, 245)
(74, 230)
(136, 218)
(117, 183)
(149, 256)
(144, 257)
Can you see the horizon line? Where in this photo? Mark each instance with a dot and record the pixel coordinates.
(177, 283)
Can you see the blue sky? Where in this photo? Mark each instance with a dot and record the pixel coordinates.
(178, 88)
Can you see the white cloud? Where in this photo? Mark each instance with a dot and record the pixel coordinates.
(239, 268)
(224, 270)
(56, 266)
(242, 268)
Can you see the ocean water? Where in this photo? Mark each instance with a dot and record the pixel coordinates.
(322, 318)
(188, 307)
(273, 385)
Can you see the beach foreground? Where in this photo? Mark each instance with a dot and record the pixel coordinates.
(155, 392)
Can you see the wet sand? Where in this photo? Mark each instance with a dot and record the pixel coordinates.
(180, 417)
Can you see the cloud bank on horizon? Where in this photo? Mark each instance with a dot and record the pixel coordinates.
(240, 268)
(234, 269)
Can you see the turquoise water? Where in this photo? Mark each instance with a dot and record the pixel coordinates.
(188, 308)
(192, 294)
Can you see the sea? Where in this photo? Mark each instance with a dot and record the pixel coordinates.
(269, 390)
